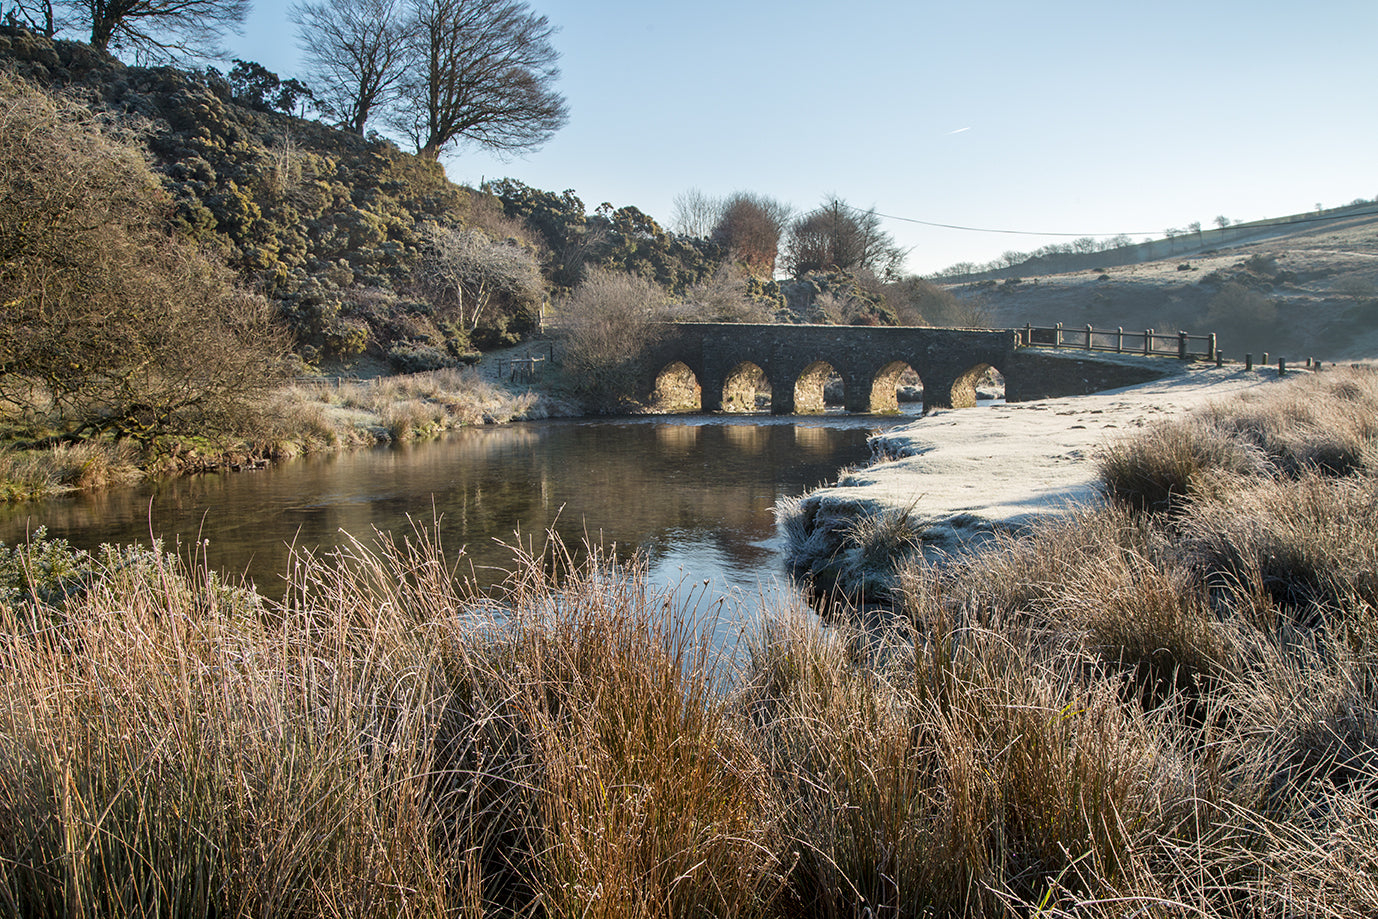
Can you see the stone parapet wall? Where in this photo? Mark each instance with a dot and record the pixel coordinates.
(1038, 374)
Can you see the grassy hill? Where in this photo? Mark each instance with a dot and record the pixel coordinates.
(1298, 290)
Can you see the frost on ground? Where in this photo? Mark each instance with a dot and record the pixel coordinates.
(954, 477)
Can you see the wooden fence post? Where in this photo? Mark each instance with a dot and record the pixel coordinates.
(1181, 345)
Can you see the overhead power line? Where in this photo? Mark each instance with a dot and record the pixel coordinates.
(1252, 224)
(953, 226)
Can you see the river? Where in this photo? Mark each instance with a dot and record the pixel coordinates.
(694, 493)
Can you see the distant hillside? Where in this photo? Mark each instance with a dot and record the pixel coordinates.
(1296, 290)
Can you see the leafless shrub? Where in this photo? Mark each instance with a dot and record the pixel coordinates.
(606, 326)
(476, 281)
(1246, 316)
(109, 322)
(725, 297)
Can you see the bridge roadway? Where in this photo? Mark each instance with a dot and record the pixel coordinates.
(728, 359)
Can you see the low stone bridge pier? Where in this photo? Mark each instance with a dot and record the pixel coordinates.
(728, 360)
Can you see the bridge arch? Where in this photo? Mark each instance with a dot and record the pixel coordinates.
(677, 389)
(885, 386)
(744, 387)
(963, 393)
(810, 388)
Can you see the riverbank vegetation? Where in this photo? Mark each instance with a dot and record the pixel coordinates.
(1162, 705)
(305, 417)
(127, 349)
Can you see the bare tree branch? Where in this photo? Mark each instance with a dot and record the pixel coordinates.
(354, 52)
(159, 29)
(481, 71)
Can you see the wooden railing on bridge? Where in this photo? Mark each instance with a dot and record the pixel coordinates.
(1148, 342)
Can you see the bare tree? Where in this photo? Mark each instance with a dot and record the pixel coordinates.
(696, 213)
(354, 51)
(158, 29)
(34, 15)
(466, 273)
(839, 237)
(750, 227)
(481, 71)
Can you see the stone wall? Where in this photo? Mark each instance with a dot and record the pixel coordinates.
(1040, 374)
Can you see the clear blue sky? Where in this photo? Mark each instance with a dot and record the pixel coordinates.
(1083, 117)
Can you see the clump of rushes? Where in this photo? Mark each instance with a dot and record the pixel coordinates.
(1117, 712)
(1322, 423)
(1171, 464)
(397, 408)
(64, 467)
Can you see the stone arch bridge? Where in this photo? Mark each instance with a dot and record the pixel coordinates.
(728, 360)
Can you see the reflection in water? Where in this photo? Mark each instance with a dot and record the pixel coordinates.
(812, 438)
(748, 438)
(680, 438)
(693, 492)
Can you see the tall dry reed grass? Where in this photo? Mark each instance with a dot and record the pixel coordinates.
(394, 408)
(65, 467)
(1121, 713)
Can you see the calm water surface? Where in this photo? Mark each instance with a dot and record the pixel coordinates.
(694, 493)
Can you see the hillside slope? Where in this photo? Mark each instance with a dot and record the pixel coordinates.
(1309, 291)
(334, 227)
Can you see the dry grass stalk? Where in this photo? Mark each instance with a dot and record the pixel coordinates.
(1118, 713)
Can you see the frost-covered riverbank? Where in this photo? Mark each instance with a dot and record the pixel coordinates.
(954, 477)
